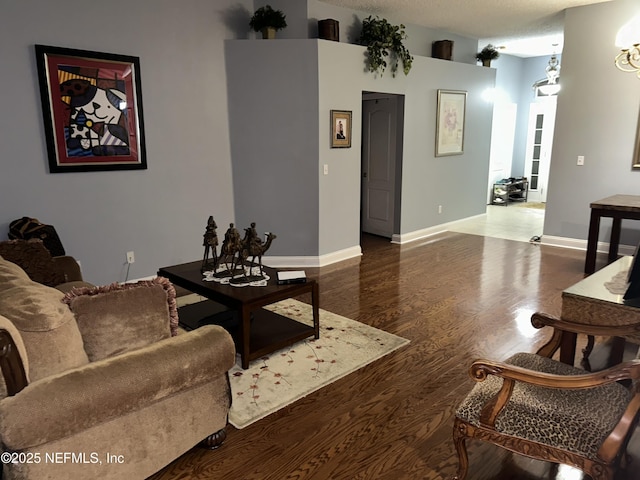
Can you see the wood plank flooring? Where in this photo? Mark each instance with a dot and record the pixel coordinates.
(457, 297)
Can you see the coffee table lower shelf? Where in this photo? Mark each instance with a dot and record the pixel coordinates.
(269, 331)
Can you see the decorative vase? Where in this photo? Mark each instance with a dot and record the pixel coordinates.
(268, 33)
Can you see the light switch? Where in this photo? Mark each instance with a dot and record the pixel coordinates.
(326, 169)
(580, 159)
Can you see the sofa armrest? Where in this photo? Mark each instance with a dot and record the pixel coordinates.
(14, 363)
(13, 372)
(71, 402)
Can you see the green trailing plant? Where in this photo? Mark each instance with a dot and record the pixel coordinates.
(267, 17)
(384, 41)
(487, 53)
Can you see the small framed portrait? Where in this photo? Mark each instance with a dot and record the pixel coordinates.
(340, 129)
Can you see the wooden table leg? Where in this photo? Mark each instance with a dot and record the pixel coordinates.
(614, 241)
(568, 347)
(315, 300)
(592, 242)
(617, 351)
(245, 335)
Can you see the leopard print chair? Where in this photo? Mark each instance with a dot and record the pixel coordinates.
(547, 410)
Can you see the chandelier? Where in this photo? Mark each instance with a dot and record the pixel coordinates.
(628, 60)
(550, 85)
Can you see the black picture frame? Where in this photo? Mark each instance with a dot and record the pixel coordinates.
(92, 110)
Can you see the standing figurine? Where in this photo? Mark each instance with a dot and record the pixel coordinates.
(230, 246)
(210, 244)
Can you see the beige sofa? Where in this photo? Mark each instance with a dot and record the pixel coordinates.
(98, 382)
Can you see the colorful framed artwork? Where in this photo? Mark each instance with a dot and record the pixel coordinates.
(340, 129)
(450, 122)
(92, 110)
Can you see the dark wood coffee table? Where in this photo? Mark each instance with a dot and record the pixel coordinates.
(260, 331)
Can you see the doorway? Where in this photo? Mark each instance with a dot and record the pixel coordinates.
(381, 170)
(542, 116)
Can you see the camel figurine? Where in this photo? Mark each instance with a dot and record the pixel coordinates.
(253, 246)
(229, 249)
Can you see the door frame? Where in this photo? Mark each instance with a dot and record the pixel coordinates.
(399, 122)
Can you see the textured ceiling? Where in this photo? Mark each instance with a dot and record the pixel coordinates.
(523, 27)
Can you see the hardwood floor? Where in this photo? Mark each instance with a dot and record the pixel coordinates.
(457, 297)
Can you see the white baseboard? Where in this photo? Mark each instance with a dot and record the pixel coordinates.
(579, 244)
(312, 261)
(430, 231)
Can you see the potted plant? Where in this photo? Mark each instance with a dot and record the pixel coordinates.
(487, 54)
(385, 40)
(268, 21)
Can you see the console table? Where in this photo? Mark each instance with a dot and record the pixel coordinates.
(260, 331)
(618, 207)
(589, 302)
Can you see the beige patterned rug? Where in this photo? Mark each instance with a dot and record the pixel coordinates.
(287, 375)
(536, 205)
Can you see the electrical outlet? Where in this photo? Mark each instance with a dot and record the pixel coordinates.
(130, 257)
(326, 169)
(580, 160)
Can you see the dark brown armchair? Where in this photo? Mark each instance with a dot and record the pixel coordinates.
(62, 272)
(535, 406)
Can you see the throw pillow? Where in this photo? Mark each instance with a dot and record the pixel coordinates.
(119, 318)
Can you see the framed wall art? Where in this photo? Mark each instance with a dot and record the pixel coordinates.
(92, 110)
(450, 122)
(340, 129)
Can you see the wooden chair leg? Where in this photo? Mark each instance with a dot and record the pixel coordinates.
(459, 437)
(215, 440)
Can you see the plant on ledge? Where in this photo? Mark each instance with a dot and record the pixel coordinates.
(268, 21)
(487, 54)
(385, 40)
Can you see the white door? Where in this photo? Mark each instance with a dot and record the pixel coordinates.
(378, 165)
(542, 120)
(503, 131)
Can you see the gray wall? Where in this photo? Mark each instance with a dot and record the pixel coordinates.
(159, 213)
(597, 117)
(273, 87)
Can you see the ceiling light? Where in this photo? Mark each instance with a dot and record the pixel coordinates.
(550, 85)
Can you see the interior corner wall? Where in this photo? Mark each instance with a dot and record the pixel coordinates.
(597, 117)
(273, 87)
(159, 213)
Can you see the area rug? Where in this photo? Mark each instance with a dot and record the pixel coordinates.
(536, 205)
(276, 380)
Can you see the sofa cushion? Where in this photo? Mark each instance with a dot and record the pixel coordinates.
(49, 332)
(119, 318)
